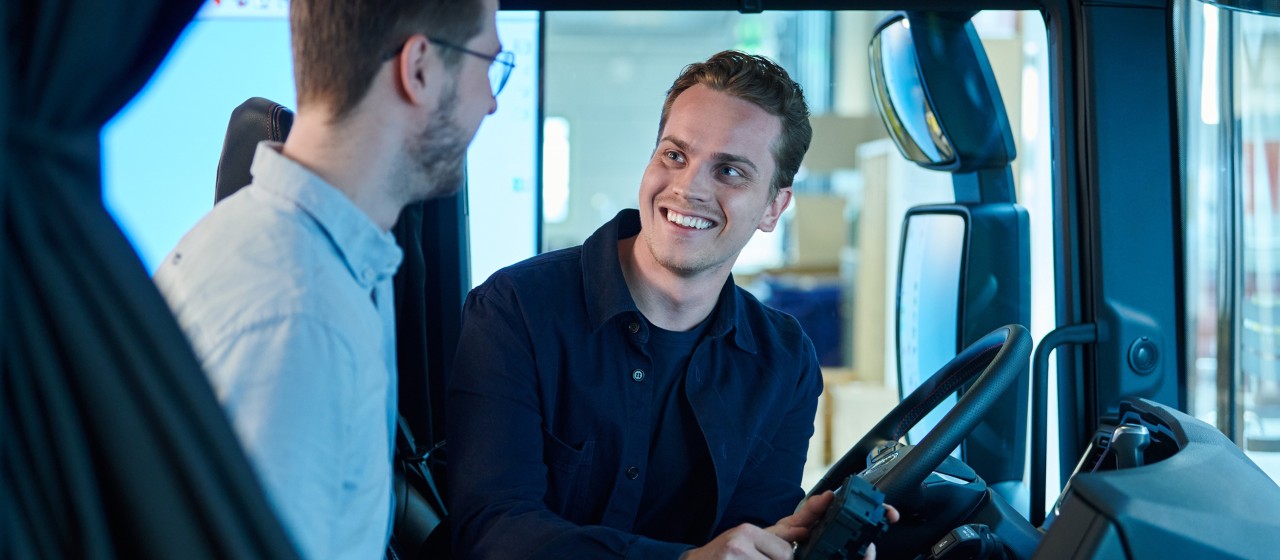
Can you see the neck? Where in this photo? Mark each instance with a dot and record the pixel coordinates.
(355, 156)
(667, 299)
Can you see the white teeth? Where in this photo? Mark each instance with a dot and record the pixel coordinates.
(687, 221)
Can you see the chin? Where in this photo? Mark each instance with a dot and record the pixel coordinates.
(441, 170)
(425, 183)
(685, 267)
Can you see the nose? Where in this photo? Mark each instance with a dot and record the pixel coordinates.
(693, 185)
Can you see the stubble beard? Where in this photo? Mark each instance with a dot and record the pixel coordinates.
(686, 267)
(438, 155)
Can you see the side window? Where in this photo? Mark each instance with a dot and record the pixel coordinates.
(1231, 174)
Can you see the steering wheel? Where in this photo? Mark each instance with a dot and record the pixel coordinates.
(999, 357)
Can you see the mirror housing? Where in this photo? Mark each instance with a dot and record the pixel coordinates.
(937, 94)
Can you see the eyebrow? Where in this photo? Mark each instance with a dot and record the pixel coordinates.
(717, 156)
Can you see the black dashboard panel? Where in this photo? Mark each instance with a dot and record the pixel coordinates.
(1197, 496)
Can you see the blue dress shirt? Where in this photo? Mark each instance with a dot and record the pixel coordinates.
(284, 290)
(550, 404)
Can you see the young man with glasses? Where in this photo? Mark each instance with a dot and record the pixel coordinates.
(624, 398)
(284, 289)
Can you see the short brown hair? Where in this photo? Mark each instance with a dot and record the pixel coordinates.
(339, 45)
(759, 80)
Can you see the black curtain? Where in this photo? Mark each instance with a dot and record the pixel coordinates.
(112, 443)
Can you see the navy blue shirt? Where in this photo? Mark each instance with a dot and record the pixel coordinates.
(552, 401)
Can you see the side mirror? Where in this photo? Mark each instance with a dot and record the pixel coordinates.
(937, 94)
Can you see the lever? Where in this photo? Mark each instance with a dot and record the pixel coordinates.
(1129, 443)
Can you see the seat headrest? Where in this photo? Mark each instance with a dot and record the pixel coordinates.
(253, 121)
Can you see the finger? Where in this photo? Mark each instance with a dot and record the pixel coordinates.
(891, 513)
(812, 509)
(796, 527)
(773, 547)
(788, 533)
(871, 552)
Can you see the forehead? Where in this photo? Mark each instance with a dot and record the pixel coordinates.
(714, 121)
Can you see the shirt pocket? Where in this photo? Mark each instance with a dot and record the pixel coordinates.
(568, 476)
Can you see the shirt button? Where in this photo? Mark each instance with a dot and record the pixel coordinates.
(633, 328)
(637, 375)
(369, 275)
(633, 473)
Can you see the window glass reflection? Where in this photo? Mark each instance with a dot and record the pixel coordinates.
(1232, 158)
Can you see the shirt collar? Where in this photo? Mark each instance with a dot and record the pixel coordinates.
(370, 254)
(608, 296)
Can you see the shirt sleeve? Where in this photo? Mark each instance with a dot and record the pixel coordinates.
(287, 385)
(497, 474)
(771, 489)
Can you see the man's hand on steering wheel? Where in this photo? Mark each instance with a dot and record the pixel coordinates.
(797, 526)
(778, 541)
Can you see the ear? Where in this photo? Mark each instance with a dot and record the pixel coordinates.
(415, 69)
(774, 210)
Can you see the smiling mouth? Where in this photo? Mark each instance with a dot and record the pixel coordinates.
(688, 221)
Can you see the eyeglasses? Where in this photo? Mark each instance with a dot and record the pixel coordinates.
(500, 65)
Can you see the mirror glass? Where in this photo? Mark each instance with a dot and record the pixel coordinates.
(929, 303)
(900, 96)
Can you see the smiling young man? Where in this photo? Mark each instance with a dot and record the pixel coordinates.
(625, 398)
(284, 288)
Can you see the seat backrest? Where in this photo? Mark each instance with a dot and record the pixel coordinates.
(421, 529)
(253, 121)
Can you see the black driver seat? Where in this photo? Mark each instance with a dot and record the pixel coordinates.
(253, 121)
